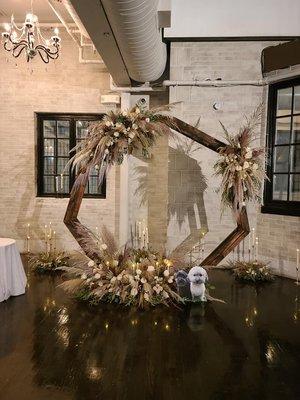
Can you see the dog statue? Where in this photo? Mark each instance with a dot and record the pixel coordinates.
(198, 277)
(183, 284)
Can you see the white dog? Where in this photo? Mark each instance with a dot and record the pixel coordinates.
(197, 277)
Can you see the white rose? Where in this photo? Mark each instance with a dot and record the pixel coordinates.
(100, 284)
(106, 151)
(134, 126)
(166, 272)
(138, 271)
(134, 292)
(124, 113)
(147, 119)
(146, 296)
(103, 246)
(113, 279)
(118, 125)
(170, 280)
(246, 165)
(143, 280)
(83, 276)
(150, 268)
(137, 110)
(165, 294)
(238, 168)
(116, 134)
(91, 263)
(255, 166)
(115, 263)
(108, 123)
(97, 276)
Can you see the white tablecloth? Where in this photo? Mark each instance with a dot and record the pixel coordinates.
(12, 276)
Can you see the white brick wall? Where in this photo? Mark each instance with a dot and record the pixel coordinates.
(279, 235)
(62, 86)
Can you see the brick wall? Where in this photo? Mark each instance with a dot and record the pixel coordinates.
(62, 86)
(193, 202)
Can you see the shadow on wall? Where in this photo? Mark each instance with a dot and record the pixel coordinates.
(186, 187)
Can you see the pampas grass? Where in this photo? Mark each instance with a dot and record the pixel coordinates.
(48, 262)
(251, 271)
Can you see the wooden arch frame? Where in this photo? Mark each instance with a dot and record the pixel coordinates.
(85, 238)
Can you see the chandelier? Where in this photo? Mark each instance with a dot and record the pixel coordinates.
(29, 40)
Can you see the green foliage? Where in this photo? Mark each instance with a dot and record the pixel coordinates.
(48, 262)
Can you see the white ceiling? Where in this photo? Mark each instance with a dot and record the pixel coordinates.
(19, 8)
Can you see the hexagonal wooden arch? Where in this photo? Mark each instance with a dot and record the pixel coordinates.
(85, 238)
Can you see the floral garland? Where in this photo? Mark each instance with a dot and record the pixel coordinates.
(48, 262)
(128, 276)
(118, 134)
(240, 166)
(252, 271)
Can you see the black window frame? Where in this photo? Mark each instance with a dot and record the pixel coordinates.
(72, 117)
(271, 206)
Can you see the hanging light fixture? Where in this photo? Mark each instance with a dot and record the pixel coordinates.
(30, 40)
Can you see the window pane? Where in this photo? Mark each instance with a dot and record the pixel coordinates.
(49, 184)
(283, 126)
(49, 128)
(81, 129)
(295, 158)
(63, 129)
(49, 165)
(295, 187)
(281, 159)
(49, 148)
(63, 147)
(93, 185)
(61, 164)
(296, 129)
(297, 99)
(280, 187)
(64, 184)
(284, 101)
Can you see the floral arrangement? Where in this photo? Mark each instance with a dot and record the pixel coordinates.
(130, 276)
(48, 262)
(252, 271)
(240, 166)
(117, 134)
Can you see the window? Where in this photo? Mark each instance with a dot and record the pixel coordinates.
(282, 191)
(57, 135)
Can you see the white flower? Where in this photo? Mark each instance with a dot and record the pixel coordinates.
(255, 167)
(138, 271)
(137, 110)
(103, 246)
(131, 135)
(113, 279)
(100, 284)
(115, 263)
(118, 125)
(246, 165)
(248, 153)
(106, 151)
(147, 119)
(157, 288)
(116, 134)
(91, 263)
(97, 276)
(88, 280)
(150, 268)
(238, 168)
(170, 280)
(143, 280)
(83, 276)
(96, 166)
(165, 294)
(108, 123)
(124, 113)
(146, 296)
(119, 277)
(134, 126)
(166, 272)
(134, 292)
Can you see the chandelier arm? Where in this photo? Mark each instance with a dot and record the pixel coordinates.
(51, 54)
(16, 55)
(46, 60)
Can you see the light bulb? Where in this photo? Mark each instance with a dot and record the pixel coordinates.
(56, 31)
(7, 27)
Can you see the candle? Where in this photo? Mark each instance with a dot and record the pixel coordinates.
(28, 244)
(28, 229)
(61, 181)
(54, 240)
(256, 248)
(56, 184)
(297, 266)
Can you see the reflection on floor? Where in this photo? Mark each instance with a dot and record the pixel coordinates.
(54, 348)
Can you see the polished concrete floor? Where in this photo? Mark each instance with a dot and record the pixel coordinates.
(54, 348)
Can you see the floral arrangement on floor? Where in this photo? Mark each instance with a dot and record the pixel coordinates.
(137, 277)
(251, 271)
(241, 166)
(118, 134)
(48, 262)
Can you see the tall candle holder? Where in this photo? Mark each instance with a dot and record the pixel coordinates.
(297, 266)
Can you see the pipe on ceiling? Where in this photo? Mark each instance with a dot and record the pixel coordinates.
(135, 26)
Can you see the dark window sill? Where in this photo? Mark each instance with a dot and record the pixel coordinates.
(67, 196)
(281, 210)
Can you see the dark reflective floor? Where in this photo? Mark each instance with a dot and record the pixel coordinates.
(54, 348)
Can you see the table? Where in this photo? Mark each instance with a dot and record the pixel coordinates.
(12, 276)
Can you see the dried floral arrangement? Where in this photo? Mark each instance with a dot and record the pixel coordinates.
(251, 271)
(241, 166)
(118, 134)
(48, 262)
(126, 276)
